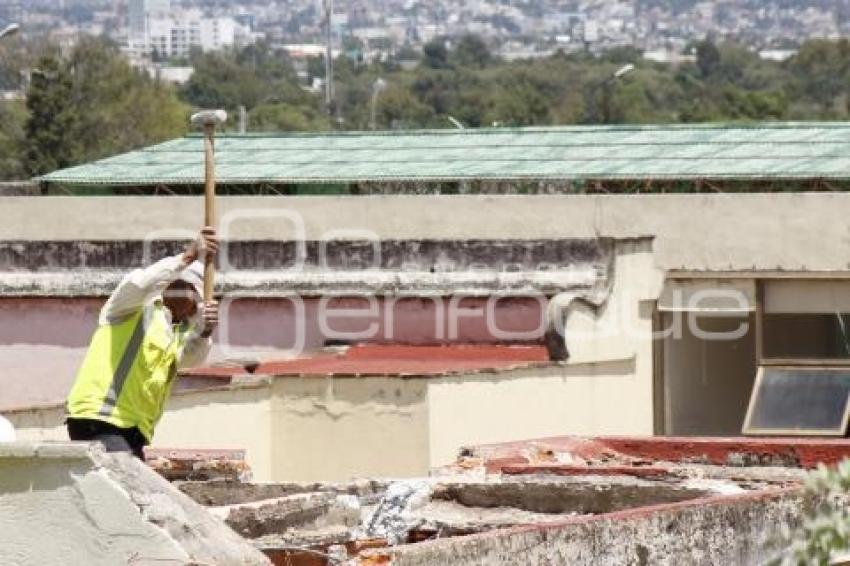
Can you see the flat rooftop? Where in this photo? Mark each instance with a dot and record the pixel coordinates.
(764, 151)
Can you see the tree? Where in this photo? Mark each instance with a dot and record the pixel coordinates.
(118, 107)
(51, 128)
(708, 58)
(92, 104)
(471, 51)
(248, 77)
(435, 55)
(820, 72)
(282, 117)
(13, 117)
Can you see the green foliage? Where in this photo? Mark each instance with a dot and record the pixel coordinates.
(825, 531)
(252, 76)
(118, 107)
(13, 117)
(93, 104)
(51, 128)
(283, 117)
(821, 74)
(435, 55)
(708, 58)
(471, 51)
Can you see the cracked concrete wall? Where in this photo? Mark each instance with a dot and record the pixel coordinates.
(221, 419)
(587, 399)
(292, 428)
(336, 429)
(741, 530)
(319, 428)
(71, 504)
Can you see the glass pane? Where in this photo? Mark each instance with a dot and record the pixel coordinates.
(807, 336)
(799, 400)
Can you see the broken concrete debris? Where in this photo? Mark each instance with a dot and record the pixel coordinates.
(103, 509)
(393, 518)
(554, 501)
(566, 500)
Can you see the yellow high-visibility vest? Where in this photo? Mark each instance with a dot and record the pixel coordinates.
(127, 374)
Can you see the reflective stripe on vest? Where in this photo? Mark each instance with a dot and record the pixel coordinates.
(123, 369)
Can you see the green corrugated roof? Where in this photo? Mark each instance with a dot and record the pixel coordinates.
(709, 151)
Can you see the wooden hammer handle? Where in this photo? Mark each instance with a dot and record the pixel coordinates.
(209, 205)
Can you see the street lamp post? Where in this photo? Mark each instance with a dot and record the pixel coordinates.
(377, 87)
(605, 87)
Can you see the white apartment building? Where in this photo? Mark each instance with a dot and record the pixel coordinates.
(155, 27)
(175, 36)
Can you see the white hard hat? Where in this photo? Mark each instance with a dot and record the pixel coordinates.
(7, 431)
(194, 275)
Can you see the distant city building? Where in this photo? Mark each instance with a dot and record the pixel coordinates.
(175, 75)
(176, 35)
(155, 28)
(139, 14)
(668, 56)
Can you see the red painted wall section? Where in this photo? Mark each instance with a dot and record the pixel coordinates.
(651, 453)
(398, 360)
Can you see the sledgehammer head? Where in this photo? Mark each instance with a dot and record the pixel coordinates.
(207, 118)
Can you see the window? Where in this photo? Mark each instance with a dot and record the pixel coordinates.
(799, 401)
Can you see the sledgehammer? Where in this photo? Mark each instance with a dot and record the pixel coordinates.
(208, 120)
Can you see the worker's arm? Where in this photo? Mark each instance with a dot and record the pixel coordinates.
(140, 285)
(199, 340)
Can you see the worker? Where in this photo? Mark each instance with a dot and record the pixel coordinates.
(153, 324)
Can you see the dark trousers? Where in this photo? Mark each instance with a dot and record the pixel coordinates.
(113, 438)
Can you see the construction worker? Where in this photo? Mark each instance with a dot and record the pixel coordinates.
(150, 327)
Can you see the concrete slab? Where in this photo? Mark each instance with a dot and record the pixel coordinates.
(74, 504)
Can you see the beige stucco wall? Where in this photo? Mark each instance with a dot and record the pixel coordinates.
(590, 399)
(340, 428)
(823, 297)
(319, 428)
(713, 232)
(239, 418)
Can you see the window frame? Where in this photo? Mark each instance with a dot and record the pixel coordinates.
(762, 361)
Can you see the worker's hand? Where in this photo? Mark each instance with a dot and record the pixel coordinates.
(210, 318)
(205, 243)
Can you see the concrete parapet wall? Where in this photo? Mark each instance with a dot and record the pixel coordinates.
(699, 232)
(268, 268)
(739, 529)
